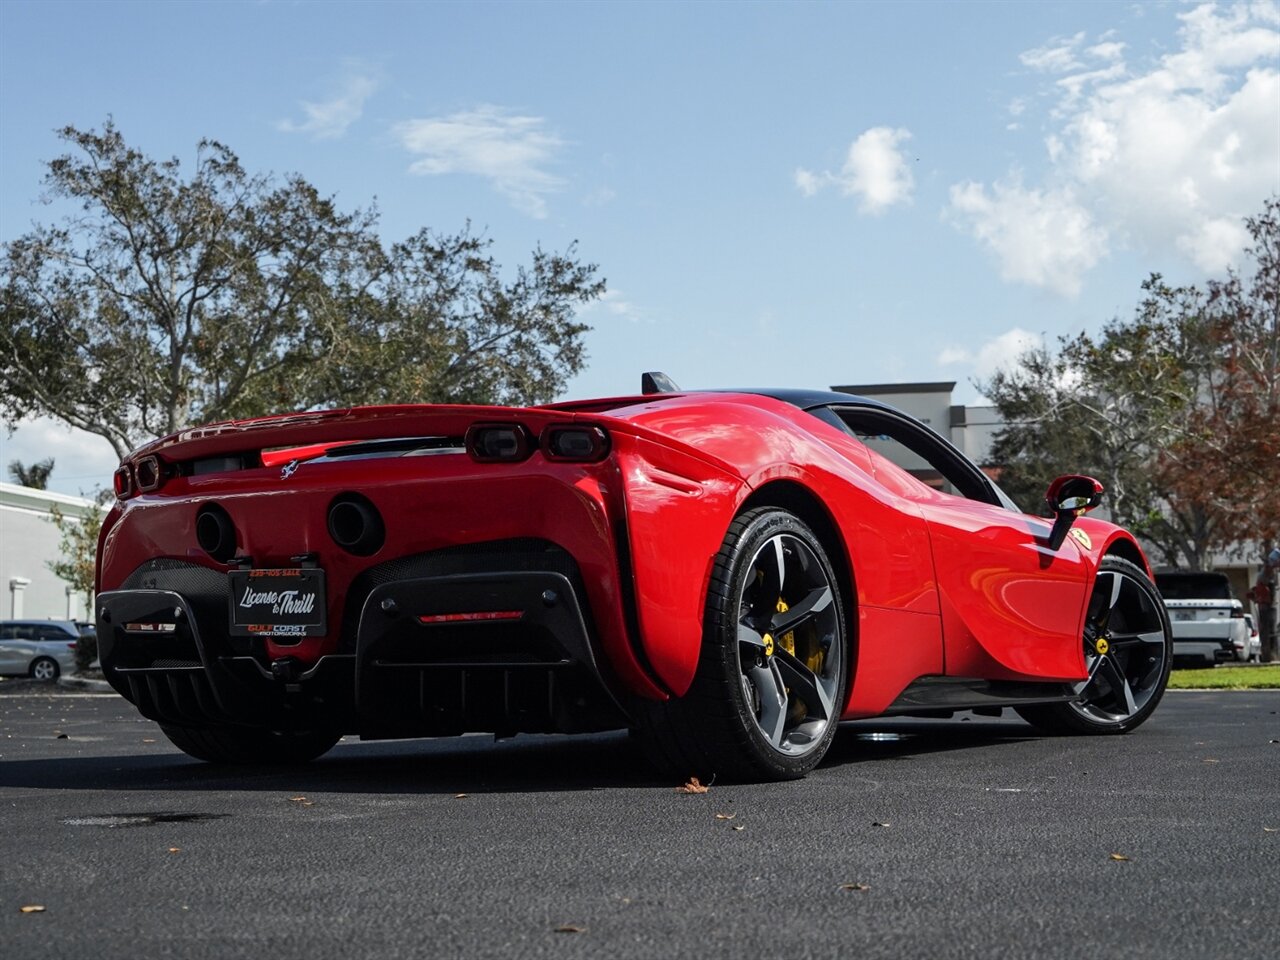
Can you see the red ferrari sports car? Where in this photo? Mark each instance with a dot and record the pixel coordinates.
(729, 574)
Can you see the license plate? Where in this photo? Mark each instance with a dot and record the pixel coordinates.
(279, 602)
(1184, 616)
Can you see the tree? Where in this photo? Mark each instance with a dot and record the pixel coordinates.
(78, 545)
(164, 302)
(35, 476)
(1104, 406)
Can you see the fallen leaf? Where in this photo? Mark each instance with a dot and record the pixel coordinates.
(855, 886)
(303, 801)
(32, 908)
(739, 827)
(1118, 856)
(146, 740)
(460, 796)
(725, 816)
(1209, 760)
(877, 823)
(693, 786)
(1271, 829)
(175, 849)
(570, 928)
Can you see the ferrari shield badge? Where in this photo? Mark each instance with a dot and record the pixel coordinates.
(1081, 538)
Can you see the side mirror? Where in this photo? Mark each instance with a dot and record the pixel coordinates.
(1070, 497)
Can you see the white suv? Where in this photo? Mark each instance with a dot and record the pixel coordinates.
(1208, 622)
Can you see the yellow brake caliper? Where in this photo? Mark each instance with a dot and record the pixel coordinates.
(812, 659)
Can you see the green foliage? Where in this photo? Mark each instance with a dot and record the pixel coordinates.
(1265, 677)
(35, 476)
(165, 302)
(78, 546)
(1174, 410)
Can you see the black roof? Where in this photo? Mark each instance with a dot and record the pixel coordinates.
(809, 399)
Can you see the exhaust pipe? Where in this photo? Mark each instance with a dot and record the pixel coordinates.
(355, 525)
(215, 532)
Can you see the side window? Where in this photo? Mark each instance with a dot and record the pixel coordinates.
(918, 452)
(52, 633)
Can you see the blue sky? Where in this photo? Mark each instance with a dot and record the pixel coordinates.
(778, 194)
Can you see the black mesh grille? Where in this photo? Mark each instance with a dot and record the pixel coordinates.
(525, 553)
(204, 589)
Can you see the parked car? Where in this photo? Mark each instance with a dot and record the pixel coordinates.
(1208, 622)
(38, 648)
(1255, 641)
(730, 574)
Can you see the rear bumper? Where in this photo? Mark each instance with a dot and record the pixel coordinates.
(1204, 651)
(503, 651)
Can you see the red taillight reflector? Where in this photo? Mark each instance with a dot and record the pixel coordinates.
(498, 442)
(478, 616)
(574, 443)
(122, 482)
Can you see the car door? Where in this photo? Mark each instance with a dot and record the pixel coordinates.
(15, 648)
(1011, 607)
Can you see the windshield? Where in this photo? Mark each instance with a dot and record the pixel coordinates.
(1193, 586)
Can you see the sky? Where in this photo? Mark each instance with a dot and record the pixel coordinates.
(778, 194)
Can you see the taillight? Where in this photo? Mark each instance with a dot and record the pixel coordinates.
(122, 481)
(574, 443)
(149, 474)
(498, 442)
(1237, 614)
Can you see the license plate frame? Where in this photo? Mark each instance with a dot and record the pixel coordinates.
(278, 602)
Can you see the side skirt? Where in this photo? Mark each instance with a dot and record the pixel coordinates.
(942, 696)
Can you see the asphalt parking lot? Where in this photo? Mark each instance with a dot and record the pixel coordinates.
(965, 838)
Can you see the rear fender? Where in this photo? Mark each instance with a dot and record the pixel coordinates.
(678, 508)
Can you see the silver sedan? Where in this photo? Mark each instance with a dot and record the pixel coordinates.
(41, 649)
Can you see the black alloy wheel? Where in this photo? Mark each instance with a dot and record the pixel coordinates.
(1128, 650)
(771, 680)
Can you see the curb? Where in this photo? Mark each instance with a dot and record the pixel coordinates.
(85, 683)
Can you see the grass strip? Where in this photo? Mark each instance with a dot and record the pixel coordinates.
(1265, 677)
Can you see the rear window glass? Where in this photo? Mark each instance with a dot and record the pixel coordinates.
(1194, 586)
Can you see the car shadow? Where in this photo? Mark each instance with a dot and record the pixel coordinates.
(473, 764)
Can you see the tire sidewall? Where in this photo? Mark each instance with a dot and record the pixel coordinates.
(720, 644)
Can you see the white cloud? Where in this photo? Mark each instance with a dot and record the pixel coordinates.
(512, 151)
(1043, 238)
(82, 461)
(329, 119)
(875, 171)
(998, 353)
(1057, 56)
(1167, 157)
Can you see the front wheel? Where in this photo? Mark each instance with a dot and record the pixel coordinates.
(224, 745)
(771, 679)
(1128, 649)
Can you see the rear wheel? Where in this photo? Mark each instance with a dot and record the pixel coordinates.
(771, 680)
(1128, 649)
(44, 668)
(222, 745)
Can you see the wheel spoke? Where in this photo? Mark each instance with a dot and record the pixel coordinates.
(805, 685)
(1083, 685)
(817, 601)
(772, 562)
(773, 700)
(749, 636)
(1120, 690)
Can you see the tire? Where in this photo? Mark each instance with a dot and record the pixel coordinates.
(773, 669)
(224, 745)
(44, 668)
(1128, 646)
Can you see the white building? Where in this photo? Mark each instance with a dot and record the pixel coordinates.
(28, 543)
